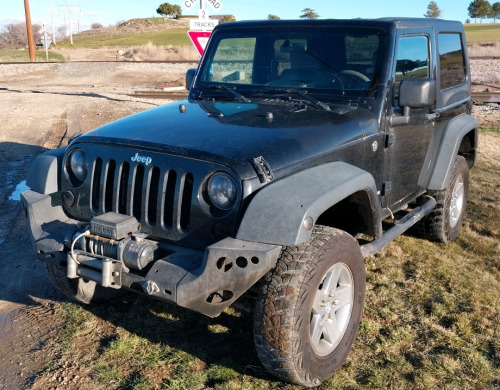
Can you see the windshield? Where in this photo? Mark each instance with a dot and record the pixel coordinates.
(334, 60)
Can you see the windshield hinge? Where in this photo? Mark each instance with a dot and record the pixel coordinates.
(390, 138)
(263, 169)
(386, 188)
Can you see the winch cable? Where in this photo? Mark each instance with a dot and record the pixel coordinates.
(72, 253)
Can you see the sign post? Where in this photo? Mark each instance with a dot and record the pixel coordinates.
(45, 40)
(200, 29)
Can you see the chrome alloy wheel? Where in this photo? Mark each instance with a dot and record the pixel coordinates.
(457, 201)
(331, 309)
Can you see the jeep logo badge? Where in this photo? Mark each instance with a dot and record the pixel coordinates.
(142, 159)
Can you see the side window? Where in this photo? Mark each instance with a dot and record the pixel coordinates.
(412, 60)
(451, 60)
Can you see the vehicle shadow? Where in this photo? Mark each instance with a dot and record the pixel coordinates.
(225, 341)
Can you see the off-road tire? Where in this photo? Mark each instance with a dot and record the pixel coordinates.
(284, 313)
(444, 222)
(81, 290)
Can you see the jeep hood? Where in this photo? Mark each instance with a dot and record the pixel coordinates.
(234, 134)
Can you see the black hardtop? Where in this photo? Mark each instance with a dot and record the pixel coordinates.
(385, 23)
(438, 24)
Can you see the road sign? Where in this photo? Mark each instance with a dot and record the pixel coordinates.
(199, 39)
(189, 3)
(202, 24)
(46, 41)
(44, 29)
(216, 4)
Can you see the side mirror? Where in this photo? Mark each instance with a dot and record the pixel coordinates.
(415, 93)
(190, 77)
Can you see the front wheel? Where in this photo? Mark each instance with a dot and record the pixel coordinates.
(309, 308)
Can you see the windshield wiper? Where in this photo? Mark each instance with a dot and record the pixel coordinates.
(235, 93)
(310, 99)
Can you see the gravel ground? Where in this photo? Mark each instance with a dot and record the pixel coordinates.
(94, 69)
(485, 71)
(482, 71)
(486, 77)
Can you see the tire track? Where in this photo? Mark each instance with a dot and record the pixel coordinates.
(27, 343)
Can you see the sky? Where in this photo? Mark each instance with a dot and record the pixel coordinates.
(109, 12)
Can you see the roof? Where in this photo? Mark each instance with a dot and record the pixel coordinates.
(390, 22)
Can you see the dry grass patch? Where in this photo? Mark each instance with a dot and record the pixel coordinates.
(484, 49)
(151, 52)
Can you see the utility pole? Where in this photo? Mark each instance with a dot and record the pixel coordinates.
(29, 30)
(52, 23)
(70, 31)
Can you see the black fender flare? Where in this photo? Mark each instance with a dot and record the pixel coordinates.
(284, 212)
(443, 149)
(45, 171)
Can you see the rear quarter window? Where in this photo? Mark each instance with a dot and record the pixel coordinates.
(451, 60)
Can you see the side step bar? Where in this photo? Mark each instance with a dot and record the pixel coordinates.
(399, 227)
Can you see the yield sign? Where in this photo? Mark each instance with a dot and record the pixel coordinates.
(199, 39)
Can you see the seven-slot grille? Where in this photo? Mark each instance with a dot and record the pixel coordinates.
(160, 199)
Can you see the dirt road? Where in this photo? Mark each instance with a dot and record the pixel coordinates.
(40, 107)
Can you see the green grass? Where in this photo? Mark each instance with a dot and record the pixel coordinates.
(154, 30)
(482, 32)
(24, 56)
(431, 320)
(174, 37)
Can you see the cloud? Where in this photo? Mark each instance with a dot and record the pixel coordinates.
(4, 22)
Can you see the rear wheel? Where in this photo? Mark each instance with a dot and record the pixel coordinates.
(81, 290)
(309, 308)
(443, 224)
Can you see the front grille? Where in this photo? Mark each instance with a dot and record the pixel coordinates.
(160, 199)
(166, 195)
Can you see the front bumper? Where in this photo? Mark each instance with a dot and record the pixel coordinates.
(205, 281)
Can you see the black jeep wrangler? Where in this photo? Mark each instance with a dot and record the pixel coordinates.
(303, 147)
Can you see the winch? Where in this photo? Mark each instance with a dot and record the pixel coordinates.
(116, 236)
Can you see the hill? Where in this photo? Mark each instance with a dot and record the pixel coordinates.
(160, 39)
(482, 32)
(135, 32)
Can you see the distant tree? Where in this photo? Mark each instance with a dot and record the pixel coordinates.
(61, 32)
(273, 17)
(227, 18)
(433, 10)
(96, 26)
(495, 12)
(467, 21)
(169, 10)
(15, 36)
(308, 13)
(479, 9)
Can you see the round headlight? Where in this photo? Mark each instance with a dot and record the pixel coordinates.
(78, 165)
(222, 191)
